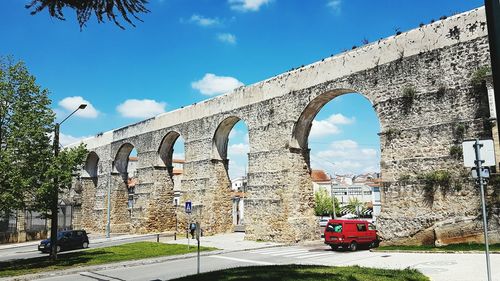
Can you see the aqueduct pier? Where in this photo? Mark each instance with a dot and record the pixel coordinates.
(423, 87)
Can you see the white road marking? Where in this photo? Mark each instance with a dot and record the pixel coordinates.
(268, 252)
(311, 255)
(242, 260)
(289, 253)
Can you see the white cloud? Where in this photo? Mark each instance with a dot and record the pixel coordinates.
(178, 156)
(321, 128)
(72, 103)
(347, 157)
(335, 5)
(247, 5)
(238, 149)
(344, 144)
(227, 38)
(340, 119)
(204, 21)
(68, 139)
(212, 84)
(146, 108)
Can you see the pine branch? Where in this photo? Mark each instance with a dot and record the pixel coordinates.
(85, 8)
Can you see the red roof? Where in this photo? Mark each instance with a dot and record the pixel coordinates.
(319, 175)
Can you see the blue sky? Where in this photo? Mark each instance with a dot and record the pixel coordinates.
(186, 51)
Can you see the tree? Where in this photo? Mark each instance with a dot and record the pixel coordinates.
(354, 205)
(85, 8)
(324, 204)
(27, 162)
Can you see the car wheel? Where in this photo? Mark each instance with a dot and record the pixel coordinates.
(334, 248)
(353, 246)
(85, 245)
(374, 244)
(58, 249)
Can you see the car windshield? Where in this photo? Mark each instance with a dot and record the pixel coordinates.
(335, 227)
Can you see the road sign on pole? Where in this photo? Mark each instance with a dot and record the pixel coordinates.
(479, 172)
(487, 153)
(188, 207)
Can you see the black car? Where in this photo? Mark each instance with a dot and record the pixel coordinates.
(66, 240)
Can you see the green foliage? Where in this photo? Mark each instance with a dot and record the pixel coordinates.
(456, 152)
(125, 252)
(459, 132)
(354, 204)
(85, 8)
(441, 91)
(27, 162)
(409, 94)
(404, 178)
(435, 179)
(26, 122)
(62, 168)
(324, 204)
(478, 78)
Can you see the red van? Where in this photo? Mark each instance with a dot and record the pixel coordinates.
(350, 233)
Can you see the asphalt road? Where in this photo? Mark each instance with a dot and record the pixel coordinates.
(31, 251)
(440, 267)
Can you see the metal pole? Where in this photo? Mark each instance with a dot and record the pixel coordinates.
(108, 221)
(55, 195)
(198, 230)
(483, 205)
(492, 8)
(334, 214)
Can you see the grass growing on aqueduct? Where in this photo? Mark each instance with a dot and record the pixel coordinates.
(125, 252)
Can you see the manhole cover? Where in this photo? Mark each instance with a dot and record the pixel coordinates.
(385, 256)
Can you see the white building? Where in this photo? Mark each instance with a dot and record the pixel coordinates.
(363, 188)
(238, 187)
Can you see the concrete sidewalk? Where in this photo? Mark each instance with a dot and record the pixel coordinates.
(227, 242)
(93, 238)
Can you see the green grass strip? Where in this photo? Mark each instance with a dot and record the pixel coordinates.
(125, 252)
(465, 247)
(295, 272)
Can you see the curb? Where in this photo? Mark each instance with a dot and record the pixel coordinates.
(431, 252)
(124, 264)
(95, 240)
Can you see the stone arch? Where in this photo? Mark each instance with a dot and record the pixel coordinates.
(221, 137)
(302, 127)
(91, 167)
(87, 187)
(166, 151)
(120, 164)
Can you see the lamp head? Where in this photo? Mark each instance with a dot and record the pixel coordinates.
(82, 106)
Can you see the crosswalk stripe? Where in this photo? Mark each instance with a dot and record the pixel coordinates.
(242, 260)
(311, 256)
(298, 253)
(304, 253)
(267, 252)
(288, 253)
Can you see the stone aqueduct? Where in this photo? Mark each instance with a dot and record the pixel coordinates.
(418, 129)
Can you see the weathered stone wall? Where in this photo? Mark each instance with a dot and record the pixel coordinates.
(419, 83)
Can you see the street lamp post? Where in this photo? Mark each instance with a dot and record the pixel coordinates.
(334, 214)
(55, 197)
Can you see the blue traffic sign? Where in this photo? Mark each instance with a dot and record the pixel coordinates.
(187, 207)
